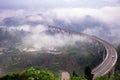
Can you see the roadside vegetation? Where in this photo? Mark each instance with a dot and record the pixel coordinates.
(30, 74)
(37, 74)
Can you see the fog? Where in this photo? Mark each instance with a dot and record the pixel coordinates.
(102, 22)
(40, 39)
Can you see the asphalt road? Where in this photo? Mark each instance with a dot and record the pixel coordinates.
(109, 62)
(65, 75)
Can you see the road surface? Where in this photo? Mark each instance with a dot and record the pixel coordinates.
(109, 62)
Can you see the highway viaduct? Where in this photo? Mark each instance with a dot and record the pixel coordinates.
(107, 66)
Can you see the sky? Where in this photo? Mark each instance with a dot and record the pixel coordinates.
(94, 17)
(47, 4)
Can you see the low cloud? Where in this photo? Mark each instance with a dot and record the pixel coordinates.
(40, 39)
(102, 22)
(111, 1)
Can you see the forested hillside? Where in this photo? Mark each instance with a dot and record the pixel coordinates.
(118, 61)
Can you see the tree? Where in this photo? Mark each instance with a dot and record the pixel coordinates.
(74, 74)
(30, 74)
(88, 74)
(102, 78)
(116, 76)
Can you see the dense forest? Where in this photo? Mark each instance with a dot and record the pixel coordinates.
(70, 60)
(37, 74)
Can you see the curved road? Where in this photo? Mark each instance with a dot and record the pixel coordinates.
(111, 55)
(109, 62)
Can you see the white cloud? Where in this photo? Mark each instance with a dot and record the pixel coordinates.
(9, 13)
(106, 14)
(108, 17)
(35, 18)
(111, 1)
(93, 31)
(71, 0)
(38, 39)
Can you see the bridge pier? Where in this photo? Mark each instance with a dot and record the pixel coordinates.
(111, 73)
(104, 54)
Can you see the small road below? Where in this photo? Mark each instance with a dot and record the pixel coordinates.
(65, 75)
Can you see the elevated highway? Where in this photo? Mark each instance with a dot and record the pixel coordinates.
(110, 60)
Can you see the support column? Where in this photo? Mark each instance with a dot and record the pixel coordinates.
(0, 71)
(111, 73)
(104, 54)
